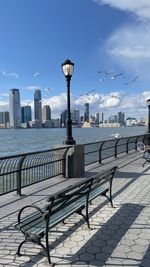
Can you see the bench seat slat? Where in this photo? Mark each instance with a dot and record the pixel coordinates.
(28, 220)
(36, 227)
(95, 192)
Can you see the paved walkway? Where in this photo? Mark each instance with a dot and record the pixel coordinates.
(120, 236)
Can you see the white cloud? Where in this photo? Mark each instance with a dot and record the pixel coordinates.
(11, 74)
(57, 104)
(141, 9)
(31, 87)
(130, 42)
(4, 94)
(132, 104)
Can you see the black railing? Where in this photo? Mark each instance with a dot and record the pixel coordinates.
(98, 151)
(21, 170)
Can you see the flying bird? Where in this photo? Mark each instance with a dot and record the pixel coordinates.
(133, 81)
(88, 93)
(47, 91)
(106, 72)
(114, 96)
(36, 74)
(116, 76)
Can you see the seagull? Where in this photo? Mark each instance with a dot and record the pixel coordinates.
(106, 72)
(88, 93)
(133, 81)
(115, 76)
(47, 90)
(114, 96)
(36, 74)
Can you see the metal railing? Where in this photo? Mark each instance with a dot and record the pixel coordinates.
(98, 151)
(21, 170)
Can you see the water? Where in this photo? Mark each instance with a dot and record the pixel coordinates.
(14, 141)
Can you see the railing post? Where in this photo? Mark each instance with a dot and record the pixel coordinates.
(19, 175)
(64, 162)
(127, 146)
(100, 152)
(136, 143)
(116, 148)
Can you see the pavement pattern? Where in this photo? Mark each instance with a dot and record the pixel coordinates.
(119, 236)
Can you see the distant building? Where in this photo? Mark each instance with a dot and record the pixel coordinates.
(14, 108)
(75, 115)
(26, 114)
(6, 119)
(37, 109)
(113, 119)
(1, 118)
(63, 118)
(46, 113)
(113, 124)
(131, 121)
(99, 117)
(86, 112)
(121, 118)
(56, 123)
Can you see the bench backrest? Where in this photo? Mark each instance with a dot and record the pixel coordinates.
(104, 177)
(72, 194)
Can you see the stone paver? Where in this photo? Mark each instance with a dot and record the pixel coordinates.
(119, 236)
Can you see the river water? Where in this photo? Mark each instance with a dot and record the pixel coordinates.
(14, 141)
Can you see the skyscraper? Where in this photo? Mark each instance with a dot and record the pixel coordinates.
(99, 117)
(75, 115)
(86, 112)
(121, 118)
(14, 108)
(63, 118)
(46, 113)
(26, 114)
(6, 119)
(37, 108)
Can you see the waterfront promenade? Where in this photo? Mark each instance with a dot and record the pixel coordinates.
(119, 236)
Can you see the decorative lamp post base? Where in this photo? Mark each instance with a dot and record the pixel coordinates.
(69, 142)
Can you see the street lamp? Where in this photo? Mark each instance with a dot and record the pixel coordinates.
(148, 104)
(67, 68)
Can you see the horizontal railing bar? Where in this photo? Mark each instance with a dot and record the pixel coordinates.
(35, 152)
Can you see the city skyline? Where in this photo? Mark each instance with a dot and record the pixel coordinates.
(110, 50)
(40, 116)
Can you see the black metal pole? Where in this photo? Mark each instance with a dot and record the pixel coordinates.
(69, 140)
(149, 119)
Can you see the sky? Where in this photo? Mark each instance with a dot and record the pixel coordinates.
(107, 40)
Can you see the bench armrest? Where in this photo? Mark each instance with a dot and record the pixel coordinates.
(28, 206)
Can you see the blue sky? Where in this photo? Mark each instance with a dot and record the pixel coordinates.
(103, 38)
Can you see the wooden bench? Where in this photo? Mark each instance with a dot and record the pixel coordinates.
(60, 206)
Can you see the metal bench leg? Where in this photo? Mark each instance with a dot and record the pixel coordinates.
(47, 249)
(109, 198)
(86, 217)
(19, 248)
(144, 163)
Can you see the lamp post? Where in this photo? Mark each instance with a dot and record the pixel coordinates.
(67, 68)
(148, 104)
(148, 137)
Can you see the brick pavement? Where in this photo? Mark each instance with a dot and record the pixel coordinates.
(119, 236)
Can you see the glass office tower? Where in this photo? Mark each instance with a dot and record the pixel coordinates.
(14, 108)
